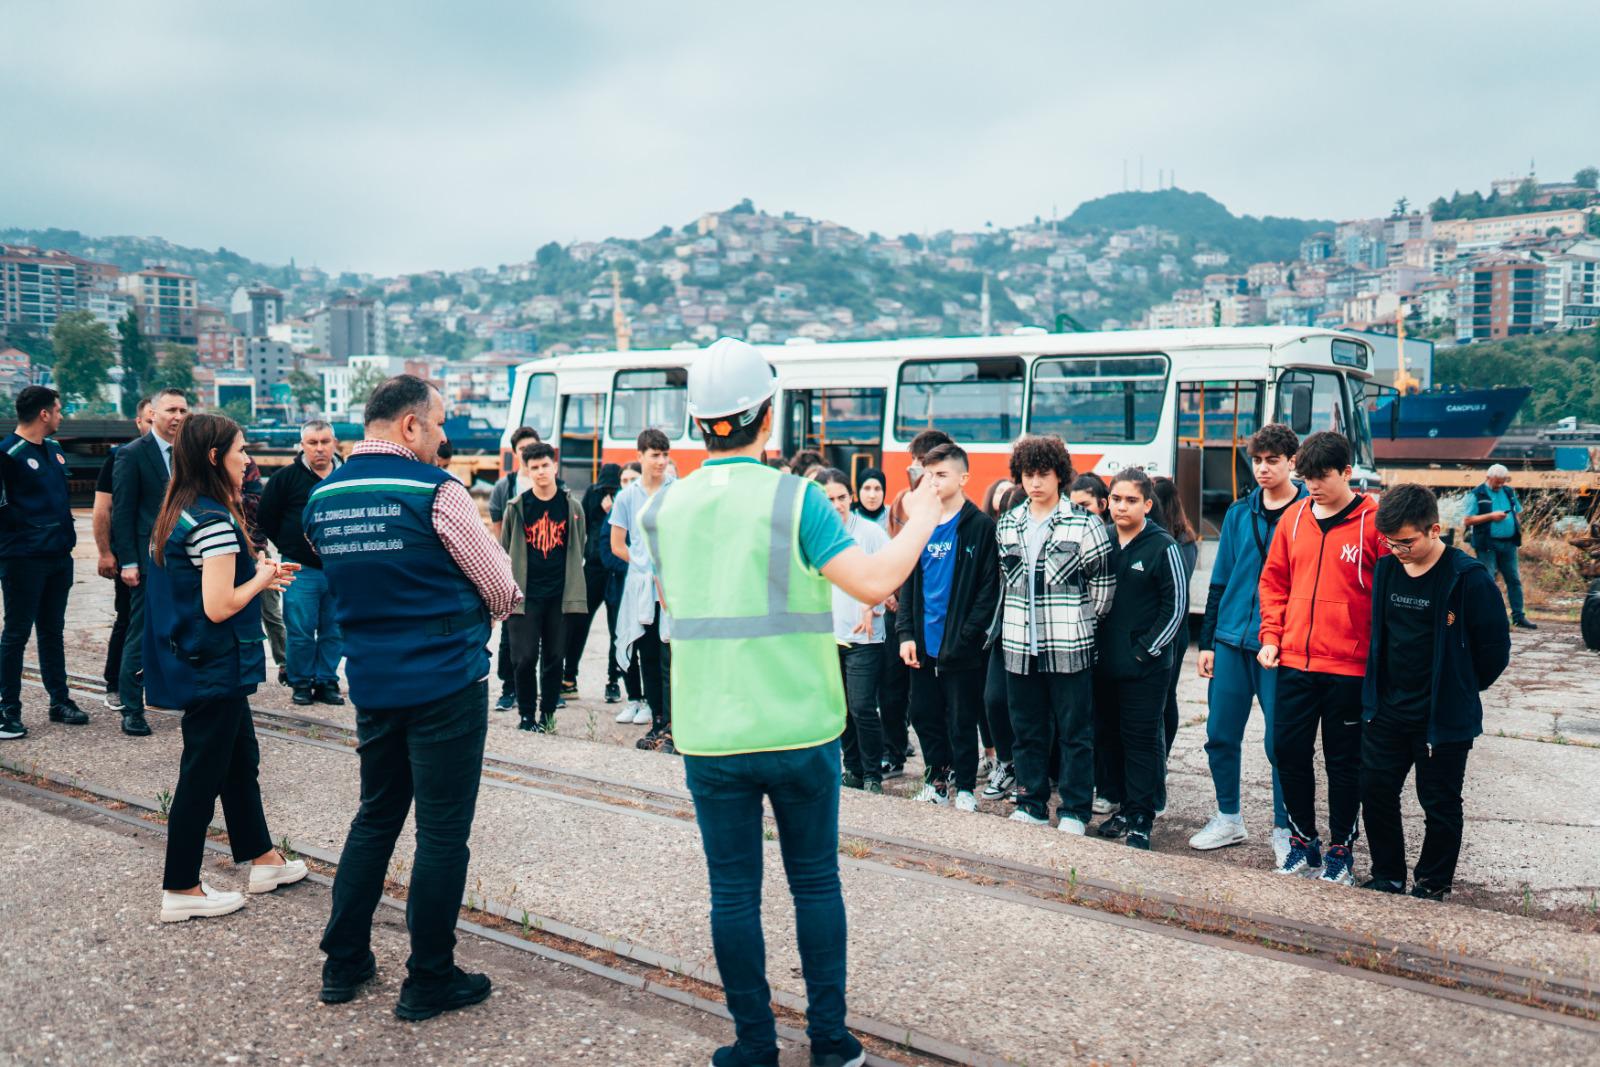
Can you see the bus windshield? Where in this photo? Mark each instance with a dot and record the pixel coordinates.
(539, 406)
(1334, 405)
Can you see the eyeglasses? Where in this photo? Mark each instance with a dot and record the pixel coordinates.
(1402, 544)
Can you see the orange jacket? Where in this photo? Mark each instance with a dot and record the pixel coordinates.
(1316, 590)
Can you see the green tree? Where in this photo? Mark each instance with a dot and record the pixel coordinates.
(84, 355)
(34, 340)
(306, 388)
(238, 410)
(1588, 177)
(175, 369)
(135, 352)
(363, 382)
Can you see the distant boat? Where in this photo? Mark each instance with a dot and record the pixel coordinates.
(1444, 425)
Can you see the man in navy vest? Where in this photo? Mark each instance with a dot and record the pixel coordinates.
(417, 582)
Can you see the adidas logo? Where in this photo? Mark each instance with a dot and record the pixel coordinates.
(1138, 565)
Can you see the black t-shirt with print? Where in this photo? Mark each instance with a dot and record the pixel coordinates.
(1411, 612)
(546, 525)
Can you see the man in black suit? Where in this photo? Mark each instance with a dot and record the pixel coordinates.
(138, 486)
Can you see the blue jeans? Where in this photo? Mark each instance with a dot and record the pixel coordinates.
(315, 644)
(1236, 681)
(1500, 554)
(803, 786)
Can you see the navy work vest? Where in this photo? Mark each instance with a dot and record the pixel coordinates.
(415, 628)
(187, 657)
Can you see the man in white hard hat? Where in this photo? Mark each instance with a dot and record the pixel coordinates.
(745, 556)
(1494, 525)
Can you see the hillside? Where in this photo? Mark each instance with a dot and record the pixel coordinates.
(1200, 219)
(1563, 368)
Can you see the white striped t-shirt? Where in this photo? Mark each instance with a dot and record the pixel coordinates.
(213, 537)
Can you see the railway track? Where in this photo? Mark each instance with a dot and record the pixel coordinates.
(1496, 986)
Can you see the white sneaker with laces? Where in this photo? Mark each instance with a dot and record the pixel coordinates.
(1103, 806)
(114, 702)
(986, 766)
(1220, 832)
(965, 801)
(1069, 825)
(265, 877)
(1280, 845)
(641, 714)
(629, 710)
(1032, 820)
(177, 907)
(1002, 780)
(930, 795)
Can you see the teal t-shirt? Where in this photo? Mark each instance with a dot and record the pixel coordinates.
(1502, 499)
(822, 532)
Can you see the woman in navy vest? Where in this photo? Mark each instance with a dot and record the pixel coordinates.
(203, 654)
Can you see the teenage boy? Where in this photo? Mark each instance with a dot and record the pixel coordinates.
(542, 531)
(1230, 638)
(1058, 575)
(1316, 622)
(946, 607)
(510, 485)
(1439, 638)
(643, 627)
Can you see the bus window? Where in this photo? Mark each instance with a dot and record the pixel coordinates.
(1215, 421)
(973, 400)
(845, 425)
(580, 438)
(1325, 409)
(1099, 399)
(539, 406)
(649, 398)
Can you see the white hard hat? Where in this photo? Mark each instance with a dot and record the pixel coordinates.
(729, 378)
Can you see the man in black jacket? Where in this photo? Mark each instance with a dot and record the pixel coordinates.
(138, 486)
(1439, 638)
(946, 607)
(314, 644)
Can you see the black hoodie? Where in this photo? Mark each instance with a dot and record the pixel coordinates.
(594, 512)
(974, 595)
(1150, 609)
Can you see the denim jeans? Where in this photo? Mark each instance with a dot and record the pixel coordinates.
(315, 644)
(35, 591)
(863, 729)
(433, 752)
(803, 787)
(1237, 681)
(1500, 554)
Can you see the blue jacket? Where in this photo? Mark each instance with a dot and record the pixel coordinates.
(1471, 646)
(35, 514)
(1233, 605)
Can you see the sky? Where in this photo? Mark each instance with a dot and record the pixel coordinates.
(410, 136)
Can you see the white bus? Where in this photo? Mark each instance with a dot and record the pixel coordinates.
(1179, 403)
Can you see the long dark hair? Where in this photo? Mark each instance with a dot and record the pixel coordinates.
(195, 474)
(1176, 520)
(993, 500)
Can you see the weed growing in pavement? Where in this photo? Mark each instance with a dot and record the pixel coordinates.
(527, 923)
(1527, 898)
(164, 802)
(769, 834)
(283, 847)
(592, 725)
(855, 848)
(1555, 725)
(1072, 883)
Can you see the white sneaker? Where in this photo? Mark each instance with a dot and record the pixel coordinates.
(1220, 832)
(265, 877)
(965, 801)
(1280, 845)
(641, 714)
(1032, 820)
(629, 710)
(1069, 825)
(177, 907)
(986, 766)
(1103, 806)
(930, 795)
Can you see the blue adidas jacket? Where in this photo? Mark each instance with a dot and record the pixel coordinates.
(1233, 605)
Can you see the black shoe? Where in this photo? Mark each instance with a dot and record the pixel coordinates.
(1384, 885)
(68, 714)
(892, 770)
(507, 701)
(843, 1053)
(283, 675)
(665, 746)
(528, 724)
(461, 990)
(1113, 827)
(648, 741)
(613, 693)
(11, 728)
(302, 696)
(850, 781)
(133, 724)
(1424, 891)
(1138, 837)
(1523, 624)
(872, 785)
(337, 987)
(734, 1056)
(569, 687)
(327, 694)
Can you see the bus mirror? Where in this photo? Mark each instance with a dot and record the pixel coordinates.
(1300, 410)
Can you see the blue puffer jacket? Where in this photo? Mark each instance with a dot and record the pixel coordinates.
(1233, 606)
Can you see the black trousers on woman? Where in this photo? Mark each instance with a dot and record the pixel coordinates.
(1128, 754)
(220, 759)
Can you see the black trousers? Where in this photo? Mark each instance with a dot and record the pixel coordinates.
(220, 759)
(654, 657)
(34, 591)
(1052, 715)
(1169, 714)
(538, 640)
(1305, 702)
(945, 706)
(862, 743)
(119, 634)
(434, 753)
(1128, 757)
(894, 697)
(996, 722)
(594, 579)
(1389, 750)
(504, 668)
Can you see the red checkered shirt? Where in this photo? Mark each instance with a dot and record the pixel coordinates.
(461, 531)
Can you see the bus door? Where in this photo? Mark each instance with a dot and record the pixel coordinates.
(1215, 422)
(845, 425)
(582, 416)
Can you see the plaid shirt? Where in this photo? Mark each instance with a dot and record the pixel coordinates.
(461, 531)
(1073, 584)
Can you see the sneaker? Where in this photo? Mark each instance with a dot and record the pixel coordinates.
(561, 702)
(1113, 827)
(965, 801)
(1523, 624)
(68, 714)
(11, 728)
(530, 725)
(873, 786)
(302, 696)
(986, 766)
(179, 907)
(1426, 891)
(1280, 845)
(569, 687)
(629, 710)
(1304, 858)
(1002, 780)
(283, 675)
(642, 715)
(113, 701)
(1073, 826)
(932, 794)
(1102, 806)
(134, 724)
(1220, 832)
(1138, 837)
(665, 746)
(1023, 815)
(846, 1052)
(338, 988)
(851, 781)
(1384, 885)
(613, 692)
(459, 991)
(507, 701)
(734, 1056)
(648, 741)
(265, 877)
(892, 770)
(327, 693)
(1336, 866)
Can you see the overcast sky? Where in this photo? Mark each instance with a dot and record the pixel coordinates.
(406, 136)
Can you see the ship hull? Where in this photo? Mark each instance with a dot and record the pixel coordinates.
(1435, 449)
(1444, 426)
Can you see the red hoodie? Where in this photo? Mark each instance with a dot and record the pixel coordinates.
(1316, 590)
